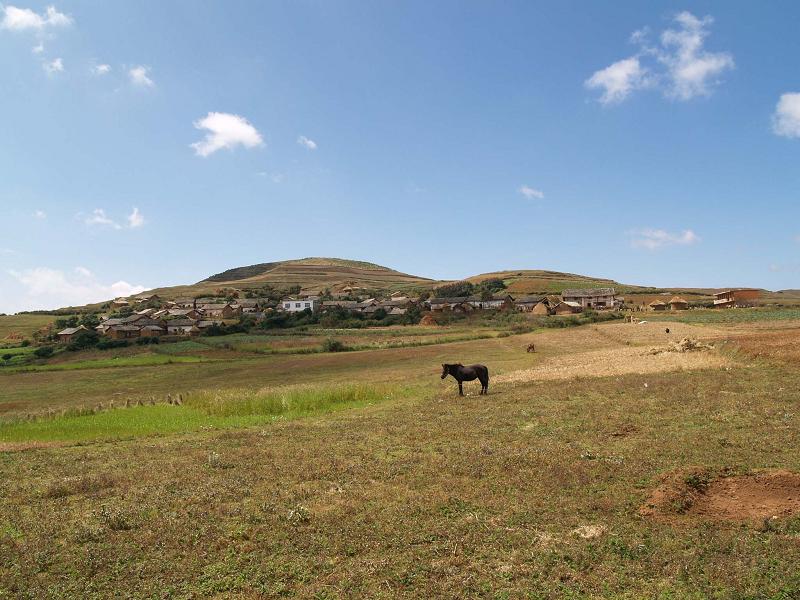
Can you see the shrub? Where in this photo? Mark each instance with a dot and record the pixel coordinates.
(144, 341)
(106, 344)
(43, 352)
(25, 343)
(83, 340)
(7, 357)
(332, 345)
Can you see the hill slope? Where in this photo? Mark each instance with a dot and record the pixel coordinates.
(311, 274)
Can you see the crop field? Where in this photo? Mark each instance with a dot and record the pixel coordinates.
(613, 462)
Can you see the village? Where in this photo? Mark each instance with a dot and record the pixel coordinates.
(149, 316)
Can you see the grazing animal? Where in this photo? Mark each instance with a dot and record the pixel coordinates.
(461, 373)
(667, 329)
(531, 348)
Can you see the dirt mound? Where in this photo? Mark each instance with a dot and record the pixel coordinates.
(720, 496)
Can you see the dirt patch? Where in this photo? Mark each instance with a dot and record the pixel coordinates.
(701, 493)
(614, 362)
(685, 345)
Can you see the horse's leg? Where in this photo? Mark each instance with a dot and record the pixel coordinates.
(460, 388)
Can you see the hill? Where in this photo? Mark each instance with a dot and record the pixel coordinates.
(311, 274)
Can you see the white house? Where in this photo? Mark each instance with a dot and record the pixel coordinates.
(300, 304)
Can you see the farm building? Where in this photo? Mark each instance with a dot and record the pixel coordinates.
(181, 327)
(528, 303)
(591, 298)
(123, 332)
(657, 305)
(152, 331)
(299, 305)
(65, 336)
(678, 303)
(738, 298)
(223, 311)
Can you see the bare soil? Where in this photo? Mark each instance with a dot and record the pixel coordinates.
(755, 497)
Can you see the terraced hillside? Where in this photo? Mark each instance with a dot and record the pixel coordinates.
(311, 274)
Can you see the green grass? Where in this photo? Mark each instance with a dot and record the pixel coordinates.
(728, 315)
(143, 360)
(220, 409)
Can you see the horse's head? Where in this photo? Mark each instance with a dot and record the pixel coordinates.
(445, 370)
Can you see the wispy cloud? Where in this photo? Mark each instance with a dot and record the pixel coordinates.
(225, 131)
(54, 66)
(531, 193)
(22, 19)
(139, 76)
(786, 119)
(101, 69)
(38, 48)
(307, 143)
(39, 214)
(678, 65)
(653, 239)
(135, 219)
(99, 218)
(46, 288)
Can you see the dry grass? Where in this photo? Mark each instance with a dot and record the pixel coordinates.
(532, 491)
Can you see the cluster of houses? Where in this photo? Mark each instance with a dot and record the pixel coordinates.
(569, 302)
(190, 316)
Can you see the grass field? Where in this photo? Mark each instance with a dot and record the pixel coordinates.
(25, 325)
(362, 474)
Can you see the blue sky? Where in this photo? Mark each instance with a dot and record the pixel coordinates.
(155, 143)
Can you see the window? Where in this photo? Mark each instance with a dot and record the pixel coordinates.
(308, 305)
(287, 305)
(297, 305)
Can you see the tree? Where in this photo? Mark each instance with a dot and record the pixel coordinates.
(492, 285)
(453, 290)
(83, 340)
(379, 315)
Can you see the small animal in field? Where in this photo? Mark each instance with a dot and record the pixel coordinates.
(531, 348)
(667, 329)
(461, 374)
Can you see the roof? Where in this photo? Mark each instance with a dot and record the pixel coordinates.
(206, 323)
(588, 292)
(71, 330)
(571, 304)
(213, 306)
(453, 300)
(732, 290)
(180, 323)
(125, 328)
(153, 328)
(657, 303)
(110, 322)
(529, 299)
(678, 300)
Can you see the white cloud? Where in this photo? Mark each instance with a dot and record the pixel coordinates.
(786, 119)
(681, 66)
(691, 69)
(99, 217)
(139, 76)
(135, 219)
(45, 288)
(39, 214)
(225, 131)
(618, 80)
(652, 239)
(307, 143)
(54, 66)
(531, 193)
(38, 49)
(21, 19)
(101, 69)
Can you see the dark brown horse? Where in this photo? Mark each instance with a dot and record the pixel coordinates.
(461, 373)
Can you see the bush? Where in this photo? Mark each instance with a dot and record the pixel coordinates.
(83, 340)
(25, 343)
(332, 345)
(7, 357)
(106, 344)
(144, 341)
(44, 352)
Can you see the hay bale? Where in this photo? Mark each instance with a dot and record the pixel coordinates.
(428, 321)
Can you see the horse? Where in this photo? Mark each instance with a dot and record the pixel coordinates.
(461, 373)
(531, 348)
